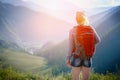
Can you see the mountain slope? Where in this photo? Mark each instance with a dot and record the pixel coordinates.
(107, 53)
(20, 24)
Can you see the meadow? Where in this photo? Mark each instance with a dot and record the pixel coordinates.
(22, 61)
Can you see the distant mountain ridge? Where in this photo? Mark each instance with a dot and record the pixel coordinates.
(18, 24)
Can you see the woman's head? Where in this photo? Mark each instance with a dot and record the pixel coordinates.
(81, 18)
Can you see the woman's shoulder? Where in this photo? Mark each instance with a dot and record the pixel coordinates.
(72, 30)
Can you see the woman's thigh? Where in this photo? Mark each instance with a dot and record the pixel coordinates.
(85, 73)
(76, 72)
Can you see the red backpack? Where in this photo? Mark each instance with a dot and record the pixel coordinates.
(84, 41)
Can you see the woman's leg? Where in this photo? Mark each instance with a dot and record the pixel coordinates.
(85, 73)
(76, 72)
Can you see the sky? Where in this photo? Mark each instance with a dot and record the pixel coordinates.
(56, 4)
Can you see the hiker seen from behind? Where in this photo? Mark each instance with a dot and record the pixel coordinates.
(82, 42)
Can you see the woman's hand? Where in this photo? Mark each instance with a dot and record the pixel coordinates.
(68, 63)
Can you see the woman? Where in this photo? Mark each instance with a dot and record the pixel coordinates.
(84, 66)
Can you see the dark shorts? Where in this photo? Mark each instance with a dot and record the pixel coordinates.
(77, 62)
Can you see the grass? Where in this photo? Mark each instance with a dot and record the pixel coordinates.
(10, 74)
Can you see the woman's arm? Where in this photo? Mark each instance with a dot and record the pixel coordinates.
(71, 44)
(97, 38)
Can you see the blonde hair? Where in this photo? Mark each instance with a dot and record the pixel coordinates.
(81, 18)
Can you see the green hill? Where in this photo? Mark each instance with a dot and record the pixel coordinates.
(21, 61)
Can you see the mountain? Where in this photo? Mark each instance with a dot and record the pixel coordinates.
(10, 45)
(27, 4)
(18, 3)
(107, 54)
(65, 12)
(106, 58)
(106, 21)
(107, 24)
(44, 47)
(56, 57)
(20, 24)
(55, 53)
(15, 2)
